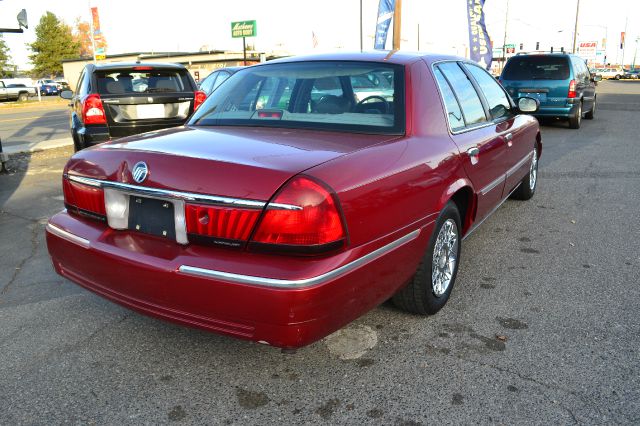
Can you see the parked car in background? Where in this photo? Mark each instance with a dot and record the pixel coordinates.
(561, 83)
(631, 74)
(123, 99)
(48, 89)
(216, 78)
(62, 84)
(275, 217)
(615, 73)
(16, 92)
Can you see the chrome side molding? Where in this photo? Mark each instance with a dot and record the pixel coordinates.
(320, 279)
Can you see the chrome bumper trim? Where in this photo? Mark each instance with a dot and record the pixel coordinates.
(59, 232)
(186, 196)
(320, 279)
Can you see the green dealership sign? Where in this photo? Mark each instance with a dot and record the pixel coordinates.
(243, 29)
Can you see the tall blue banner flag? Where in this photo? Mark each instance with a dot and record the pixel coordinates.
(479, 42)
(385, 13)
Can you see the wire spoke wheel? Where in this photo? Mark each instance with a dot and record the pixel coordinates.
(445, 257)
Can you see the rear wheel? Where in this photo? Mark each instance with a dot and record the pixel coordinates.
(576, 119)
(529, 183)
(430, 287)
(592, 113)
(22, 97)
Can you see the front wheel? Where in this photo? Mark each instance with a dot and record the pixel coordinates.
(576, 119)
(429, 289)
(529, 183)
(591, 114)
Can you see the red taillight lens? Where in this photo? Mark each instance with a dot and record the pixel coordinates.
(198, 98)
(572, 89)
(303, 214)
(84, 199)
(220, 222)
(92, 110)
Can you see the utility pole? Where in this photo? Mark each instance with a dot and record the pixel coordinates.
(361, 45)
(397, 13)
(575, 28)
(93, 41)
(626, 23)
(418, 36)
(504, 40)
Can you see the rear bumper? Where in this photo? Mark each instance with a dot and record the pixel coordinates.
(557, 111)
(93, 135)
(284, 302)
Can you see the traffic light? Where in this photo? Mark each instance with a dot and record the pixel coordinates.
(537, 45)
(521, 46)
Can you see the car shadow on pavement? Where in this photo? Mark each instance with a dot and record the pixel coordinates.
(50, 125)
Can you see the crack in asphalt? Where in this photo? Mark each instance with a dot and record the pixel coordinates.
(539, 383)
(34, 248)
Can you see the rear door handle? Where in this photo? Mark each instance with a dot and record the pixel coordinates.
(473, 152)
(508, 136)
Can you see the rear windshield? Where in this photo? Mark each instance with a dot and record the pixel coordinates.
(536, 68)
(325, 95)
(117, 82)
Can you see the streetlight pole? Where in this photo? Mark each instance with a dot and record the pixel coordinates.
(361, 45)
(575, 28)
(504, 40)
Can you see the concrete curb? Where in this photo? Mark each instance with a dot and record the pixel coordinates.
(39, 146)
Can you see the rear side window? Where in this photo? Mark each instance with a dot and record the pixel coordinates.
(127, 81)
(499, 105)
(536, 68)
(454, 113)
(465, 92)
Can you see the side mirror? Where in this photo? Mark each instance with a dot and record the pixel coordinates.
(528, 105)
(597, 78)
(66, 94)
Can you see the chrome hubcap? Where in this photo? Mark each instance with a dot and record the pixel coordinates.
(533, 171)
(445, 256)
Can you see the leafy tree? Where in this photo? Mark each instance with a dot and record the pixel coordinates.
(4, 59)
(54, 42)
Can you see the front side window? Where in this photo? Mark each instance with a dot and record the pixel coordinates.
(499, 105)
(465, 92)
(326, 95)
(222, 76)
(207, 84)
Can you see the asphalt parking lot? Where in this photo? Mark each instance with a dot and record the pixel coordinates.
(542, 327)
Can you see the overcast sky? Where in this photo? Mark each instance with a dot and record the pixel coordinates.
(131, 26)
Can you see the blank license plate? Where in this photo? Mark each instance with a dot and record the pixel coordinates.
(152, 216)
(150, 111)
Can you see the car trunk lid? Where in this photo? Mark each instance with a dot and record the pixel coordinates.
(246, 163)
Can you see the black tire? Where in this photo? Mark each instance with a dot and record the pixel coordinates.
(529, 183)
(419, 296)
(617, 77)
(76, 142)
(591, 114)
(576, 119)
(23, 97)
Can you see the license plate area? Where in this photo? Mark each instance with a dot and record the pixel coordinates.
(152, 216)
(150, 111)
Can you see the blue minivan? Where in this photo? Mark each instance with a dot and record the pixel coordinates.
(560, 81)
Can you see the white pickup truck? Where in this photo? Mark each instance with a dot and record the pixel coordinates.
(16, 92)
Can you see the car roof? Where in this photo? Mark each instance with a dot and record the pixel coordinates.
(383, 56)
(121, 65)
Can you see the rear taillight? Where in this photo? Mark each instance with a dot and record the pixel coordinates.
(198, 98)
(92, 110)
(85, 200)
(302, 218)
(220, 225)
(572, 89)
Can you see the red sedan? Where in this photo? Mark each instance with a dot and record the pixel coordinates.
(303, 193)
